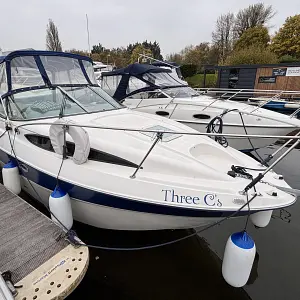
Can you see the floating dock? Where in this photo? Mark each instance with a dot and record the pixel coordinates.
(34, 254)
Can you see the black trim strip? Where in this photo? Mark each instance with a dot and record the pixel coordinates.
(95, 155)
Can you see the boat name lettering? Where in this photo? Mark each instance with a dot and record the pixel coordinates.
(208, 199)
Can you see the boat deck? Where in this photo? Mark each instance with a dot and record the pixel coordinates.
(34, 250)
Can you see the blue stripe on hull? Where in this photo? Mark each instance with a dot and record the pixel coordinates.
(103, 199)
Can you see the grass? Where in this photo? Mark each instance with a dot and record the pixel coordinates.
(197, 80)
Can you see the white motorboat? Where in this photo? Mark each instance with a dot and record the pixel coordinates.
(156, 90)
(183, 180)
(173, 67)
(100, 67)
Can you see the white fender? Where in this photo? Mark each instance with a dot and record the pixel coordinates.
(238, 259)
(61, 209)
(79, 136)
(261, 218)
(11, 177)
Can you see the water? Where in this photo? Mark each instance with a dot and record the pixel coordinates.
(191, 269)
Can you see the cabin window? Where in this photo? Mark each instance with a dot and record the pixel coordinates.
(44, 142)
(40, 141)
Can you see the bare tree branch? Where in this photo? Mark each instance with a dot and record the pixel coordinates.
(223, 36)
(252, 16)
(52, 39)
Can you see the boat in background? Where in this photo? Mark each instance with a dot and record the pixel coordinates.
(282, 101)
(154, 90)
(173, 67)
(100, 67)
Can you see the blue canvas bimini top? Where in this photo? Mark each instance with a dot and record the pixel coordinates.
(136, 70)
(137, 78)
(32, 69)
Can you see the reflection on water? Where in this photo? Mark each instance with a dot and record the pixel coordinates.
(283, 215)
(254, 272)
(277, 244)
(191, 269)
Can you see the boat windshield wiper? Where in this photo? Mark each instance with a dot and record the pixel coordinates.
(71, 98)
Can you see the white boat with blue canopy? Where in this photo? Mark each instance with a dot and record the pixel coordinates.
(156, 89)
(123, 169)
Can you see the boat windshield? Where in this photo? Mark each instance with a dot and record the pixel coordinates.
(162, 79)
(181, 92)
(47, 103)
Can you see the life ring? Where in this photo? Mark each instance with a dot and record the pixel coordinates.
(79, 136)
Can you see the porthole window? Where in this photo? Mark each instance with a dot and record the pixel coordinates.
(201, 116)
(162, 113)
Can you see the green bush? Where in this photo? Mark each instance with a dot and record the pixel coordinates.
(188, 70)
(288, 59)
(251, 55)
(196, 81)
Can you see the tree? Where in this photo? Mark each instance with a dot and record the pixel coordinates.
(52, 39)
(197, 55)
(175, 57)
(98, 49)
(287, 39)
(288, 59)
(252, 16)
(139, 49)
(257, 35)
(223, 35)
(213, 55)
(155, 49)
(79, 52)
(153, 46)
(252, 55)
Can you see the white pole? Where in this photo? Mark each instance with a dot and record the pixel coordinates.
(88, 33)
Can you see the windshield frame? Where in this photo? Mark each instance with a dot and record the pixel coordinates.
(6, 101)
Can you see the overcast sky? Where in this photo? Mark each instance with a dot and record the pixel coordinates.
(173, 23)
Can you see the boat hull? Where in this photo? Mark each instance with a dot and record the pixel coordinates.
(119, 219)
